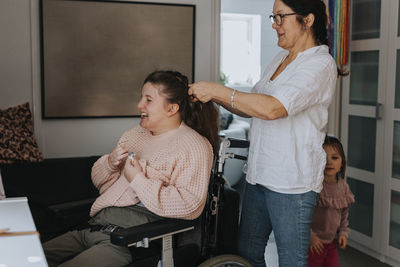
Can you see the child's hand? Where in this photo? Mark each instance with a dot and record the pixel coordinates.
(132, 167)
(316, 245)
(342, 240)
(117, 156)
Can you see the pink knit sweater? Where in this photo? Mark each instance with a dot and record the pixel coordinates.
(176, 169)
(332, 211)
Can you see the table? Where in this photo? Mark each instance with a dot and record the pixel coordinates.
(25, 248)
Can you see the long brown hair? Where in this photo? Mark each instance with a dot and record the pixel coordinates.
(202, 117)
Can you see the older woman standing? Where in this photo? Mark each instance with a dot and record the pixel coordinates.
(289, 110)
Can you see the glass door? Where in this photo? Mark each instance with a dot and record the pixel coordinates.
(370, 127)
(362, 129)
(392, 142)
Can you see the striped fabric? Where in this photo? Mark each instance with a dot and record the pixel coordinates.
(338, 31)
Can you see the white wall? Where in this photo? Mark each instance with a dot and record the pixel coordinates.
(20, 78)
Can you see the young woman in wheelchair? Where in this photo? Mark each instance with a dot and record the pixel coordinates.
(167, 177)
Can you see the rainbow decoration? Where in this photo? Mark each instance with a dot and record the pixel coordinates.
(338, 31)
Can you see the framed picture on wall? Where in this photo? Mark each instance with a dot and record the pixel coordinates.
(96, 54)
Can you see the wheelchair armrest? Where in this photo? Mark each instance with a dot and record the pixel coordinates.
(152, 230)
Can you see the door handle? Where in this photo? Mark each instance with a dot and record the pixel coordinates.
(378, 111)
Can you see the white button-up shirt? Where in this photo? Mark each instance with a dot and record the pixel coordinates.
(286, 155)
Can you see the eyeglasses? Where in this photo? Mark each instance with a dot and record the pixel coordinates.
(279, 17)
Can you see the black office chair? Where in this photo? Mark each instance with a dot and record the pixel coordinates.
(207, 241)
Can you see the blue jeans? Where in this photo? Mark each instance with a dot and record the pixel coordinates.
(288, 215)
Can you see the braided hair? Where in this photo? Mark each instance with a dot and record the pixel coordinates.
(202, 117)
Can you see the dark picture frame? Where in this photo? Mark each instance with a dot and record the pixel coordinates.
(96, 54)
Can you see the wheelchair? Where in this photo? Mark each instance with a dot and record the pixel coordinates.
(209, 240)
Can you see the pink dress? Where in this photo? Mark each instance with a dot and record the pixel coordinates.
(330, 219)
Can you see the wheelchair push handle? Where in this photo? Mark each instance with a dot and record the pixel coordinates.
(234, 156)
(223, 155)
(231, 143)
(238, 143)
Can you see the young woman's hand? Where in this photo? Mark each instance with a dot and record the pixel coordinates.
(117, 157)
(316, 245)
(132, 167)
(342, 240)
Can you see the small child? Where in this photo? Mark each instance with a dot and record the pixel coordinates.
(331, 214)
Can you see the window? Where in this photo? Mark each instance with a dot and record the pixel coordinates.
(240, 49)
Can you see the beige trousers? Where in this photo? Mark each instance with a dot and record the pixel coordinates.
(86, 249)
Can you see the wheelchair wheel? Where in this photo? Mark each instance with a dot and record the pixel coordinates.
(227, 260)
